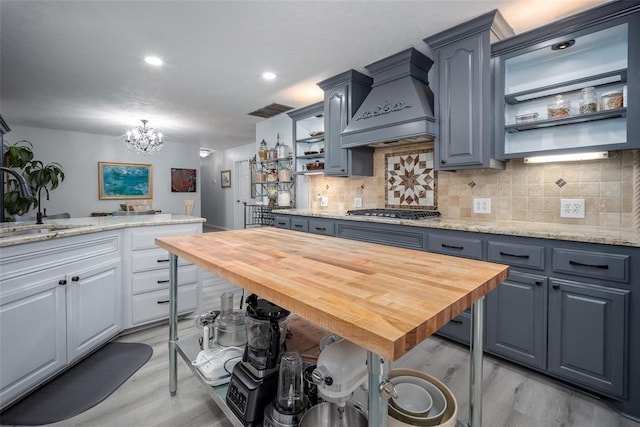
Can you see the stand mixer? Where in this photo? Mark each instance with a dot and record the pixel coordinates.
(341, 369)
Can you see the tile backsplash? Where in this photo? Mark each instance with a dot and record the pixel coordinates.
(520, 192)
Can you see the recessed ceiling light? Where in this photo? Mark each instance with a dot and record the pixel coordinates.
(268, 76)
(153, 60)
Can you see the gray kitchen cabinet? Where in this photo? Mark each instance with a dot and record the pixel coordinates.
(385, 234)
(282, 221)
(94, 294)
(343, 94)
(539, 76)
(588, 329)
(322, 226)
(308, 137)
(464, 92)
(517, 319)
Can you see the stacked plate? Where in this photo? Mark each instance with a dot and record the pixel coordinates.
(422, 400)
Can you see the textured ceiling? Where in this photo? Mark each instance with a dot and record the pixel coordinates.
(78, 65)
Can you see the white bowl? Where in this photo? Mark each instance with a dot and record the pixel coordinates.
(434, 416)
(412, 399)
(449, 419)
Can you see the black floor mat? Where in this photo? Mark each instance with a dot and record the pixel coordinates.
(81, 387)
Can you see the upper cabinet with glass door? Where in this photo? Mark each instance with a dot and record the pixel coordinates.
(566, 92)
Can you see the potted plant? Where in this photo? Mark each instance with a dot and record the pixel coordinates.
(38, 175)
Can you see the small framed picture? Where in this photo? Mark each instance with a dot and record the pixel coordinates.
(225, 179)
(183, 180)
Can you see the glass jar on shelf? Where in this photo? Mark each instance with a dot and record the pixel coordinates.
(587, 100)
(559, 109)
(284, 175)
(262, 152)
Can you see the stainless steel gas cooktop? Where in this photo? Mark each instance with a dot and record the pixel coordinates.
(396, 213)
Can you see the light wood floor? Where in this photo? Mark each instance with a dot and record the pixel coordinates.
(513, 396)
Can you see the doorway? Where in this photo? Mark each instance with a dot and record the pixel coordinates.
(242, 191)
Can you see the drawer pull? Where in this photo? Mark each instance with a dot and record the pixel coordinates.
(166, 301)
(282, 223)
(297, 225)
(62, 282)
(555, 286)
(456, 321)
(459, 248)
(163, 260)
(538, 282)
(579, 264)
(514, 255)
(321, 228)
(163, 281)
(75, 279)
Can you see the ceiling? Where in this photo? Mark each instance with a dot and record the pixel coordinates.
(79, 65)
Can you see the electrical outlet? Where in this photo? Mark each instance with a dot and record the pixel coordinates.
(572, 208)
(324, 201)
(357, 202)
(481, 206)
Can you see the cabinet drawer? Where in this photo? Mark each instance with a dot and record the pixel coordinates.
(152, 259)
(145, 237)
(155, 305)
(282, 222)
(516, 255)
(320, 226)
(300, 224)
(591, 264)
(159, 279)
(459, 328)
(458, 246)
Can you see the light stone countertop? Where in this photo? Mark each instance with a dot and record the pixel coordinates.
(56, 228)
(573, 233)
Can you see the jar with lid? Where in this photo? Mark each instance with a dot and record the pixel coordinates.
(558, 109)
(272, 154)
(587, 100)
(284, 175)
(262, 152)
(611, 100)
(284, 198)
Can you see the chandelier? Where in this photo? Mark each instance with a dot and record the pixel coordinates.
(144, 140)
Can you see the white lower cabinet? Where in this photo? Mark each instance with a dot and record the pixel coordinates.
(146, 275)
(59, 300)
(94, 309)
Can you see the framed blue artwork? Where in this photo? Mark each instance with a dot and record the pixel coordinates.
(125, 181)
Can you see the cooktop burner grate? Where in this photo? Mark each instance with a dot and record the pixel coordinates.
(396, 213)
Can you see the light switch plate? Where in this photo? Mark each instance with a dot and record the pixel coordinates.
(324, 202)
(572, 208)
(481, 205)
(357, 202)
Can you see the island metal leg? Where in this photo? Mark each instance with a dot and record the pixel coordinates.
(378, 374)
(475, 373)
(173, 323)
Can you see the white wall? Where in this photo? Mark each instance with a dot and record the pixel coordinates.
(79, 154)
(217, 202)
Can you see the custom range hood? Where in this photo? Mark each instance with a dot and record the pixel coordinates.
(399, 108)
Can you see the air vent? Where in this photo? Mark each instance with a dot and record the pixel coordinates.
(270, 110)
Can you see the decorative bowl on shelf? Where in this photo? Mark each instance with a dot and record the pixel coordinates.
(316, 133)
(309, 153)
(315, 166)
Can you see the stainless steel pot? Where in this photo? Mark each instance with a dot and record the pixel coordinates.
(326, 414)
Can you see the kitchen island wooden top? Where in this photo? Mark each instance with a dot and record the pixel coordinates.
(383, 298)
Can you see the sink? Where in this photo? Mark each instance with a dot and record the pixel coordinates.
(30, 230)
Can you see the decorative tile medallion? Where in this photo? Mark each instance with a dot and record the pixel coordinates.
(411, 181)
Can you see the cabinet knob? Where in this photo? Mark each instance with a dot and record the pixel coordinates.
(443, 162)
(538, 282)
(62, 282)
(555, 286)
(75, 278)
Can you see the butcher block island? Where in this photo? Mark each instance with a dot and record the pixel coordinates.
(385, 299)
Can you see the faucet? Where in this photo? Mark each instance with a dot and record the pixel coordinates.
(39, 214)
(25, 191)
